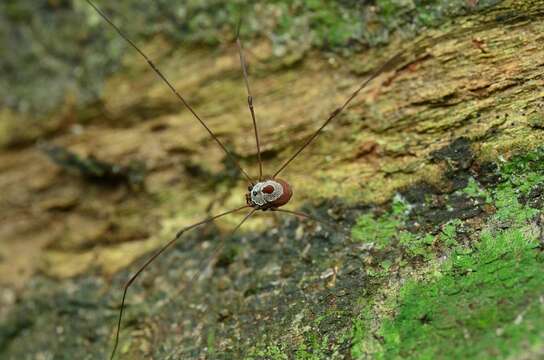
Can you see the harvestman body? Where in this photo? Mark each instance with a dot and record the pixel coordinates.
(267, 193)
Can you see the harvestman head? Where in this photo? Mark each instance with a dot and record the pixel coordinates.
(264, 193)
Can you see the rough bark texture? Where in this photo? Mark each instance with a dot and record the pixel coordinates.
(435, 171)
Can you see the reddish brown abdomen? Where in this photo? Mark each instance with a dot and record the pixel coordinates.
(286, 196)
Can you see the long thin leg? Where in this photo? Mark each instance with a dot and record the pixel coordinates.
(163, 78)
(153, 257)
(212, 258)
(249, 98)
(311, 217)
(336, 112)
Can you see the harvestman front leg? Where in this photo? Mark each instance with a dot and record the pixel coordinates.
(337, 112)
(249, 98)
(171, 87)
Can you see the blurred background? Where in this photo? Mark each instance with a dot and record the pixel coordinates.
(100, 164)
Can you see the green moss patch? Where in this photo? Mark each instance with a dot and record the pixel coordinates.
(483, 298)
(486, 304)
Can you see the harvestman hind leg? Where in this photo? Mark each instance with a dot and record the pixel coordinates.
(249, 98)
(210, 260)
(160, 251)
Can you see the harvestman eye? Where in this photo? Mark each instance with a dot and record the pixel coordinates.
(272, 186)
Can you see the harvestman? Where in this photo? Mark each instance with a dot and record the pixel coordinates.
(267, 193)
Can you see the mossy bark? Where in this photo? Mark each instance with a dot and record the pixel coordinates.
(464, 95)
